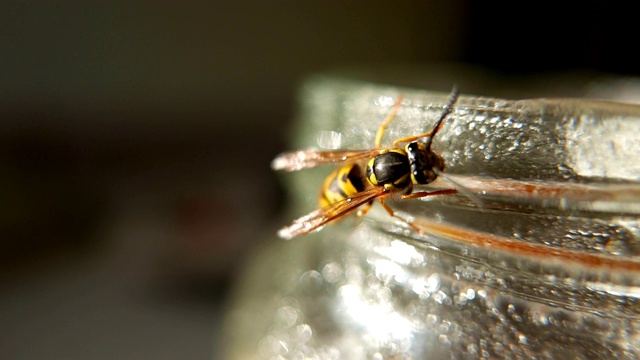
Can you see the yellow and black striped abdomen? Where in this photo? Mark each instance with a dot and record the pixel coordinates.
(342, 183)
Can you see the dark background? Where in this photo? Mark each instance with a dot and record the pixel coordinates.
(135, 141)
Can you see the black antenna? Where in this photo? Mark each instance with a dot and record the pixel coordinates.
(447, 110)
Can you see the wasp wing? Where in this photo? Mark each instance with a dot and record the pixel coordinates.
(321, 217)
(305, 159)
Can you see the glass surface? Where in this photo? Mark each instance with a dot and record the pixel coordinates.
(537, 256)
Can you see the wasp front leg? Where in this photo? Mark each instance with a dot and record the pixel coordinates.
(393, 213)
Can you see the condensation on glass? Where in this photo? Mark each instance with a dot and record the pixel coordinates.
(537, 256)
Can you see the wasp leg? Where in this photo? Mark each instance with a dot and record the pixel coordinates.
(383, 126)
(421, 194)
(414, 196)
(362, 212)
(392, 213)
(409, 139)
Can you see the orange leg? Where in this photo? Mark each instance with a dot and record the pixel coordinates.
(421, 194)
(415, 196)
(447, 110)
(385, 123)
(362, 212)
(392, 213)
(409, 139)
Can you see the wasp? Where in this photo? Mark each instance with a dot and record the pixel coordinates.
(367, 175)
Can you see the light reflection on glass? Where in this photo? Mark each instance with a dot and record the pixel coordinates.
(400, 252)
(377, 321)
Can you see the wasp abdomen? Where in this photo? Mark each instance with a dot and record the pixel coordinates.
(344, 182)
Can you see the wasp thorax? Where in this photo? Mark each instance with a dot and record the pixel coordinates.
(389, 168)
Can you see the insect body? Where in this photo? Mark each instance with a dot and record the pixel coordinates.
(346, 181)
(367, 175)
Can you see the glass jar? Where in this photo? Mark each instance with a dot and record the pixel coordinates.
(538, 255)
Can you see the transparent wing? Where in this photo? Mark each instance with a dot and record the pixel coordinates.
(320, 217)
(305, 159)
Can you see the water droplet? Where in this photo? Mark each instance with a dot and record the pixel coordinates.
(304, 333)
(283, 347)
(385, 101)
(439, 297)
(354, 274)
(454, 288)
(383, 294)
(332, 272)
(522, 339)
(616, 247)
(470, 294)
(433, 283)
(311, 279)
(444, 340)
(287, 315)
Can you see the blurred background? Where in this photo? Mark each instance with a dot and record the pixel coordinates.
(135, 141)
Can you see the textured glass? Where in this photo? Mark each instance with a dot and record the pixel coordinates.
(537, 256)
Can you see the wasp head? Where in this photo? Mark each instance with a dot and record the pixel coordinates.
(423, 161)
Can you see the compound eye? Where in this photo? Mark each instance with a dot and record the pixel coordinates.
(430, 175)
